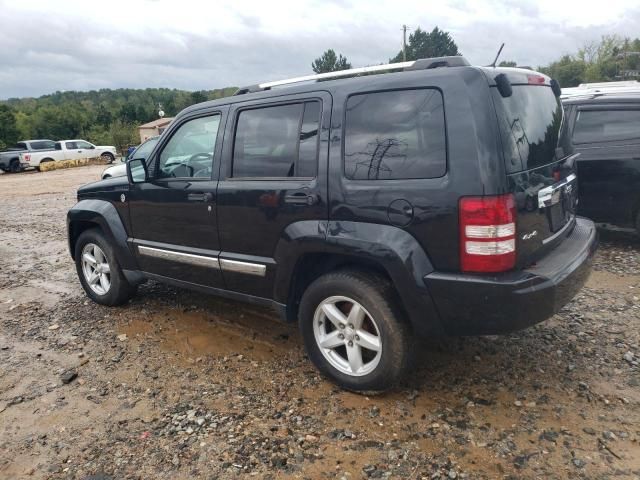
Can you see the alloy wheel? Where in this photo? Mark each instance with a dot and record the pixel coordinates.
(347, 335)
(96, 269)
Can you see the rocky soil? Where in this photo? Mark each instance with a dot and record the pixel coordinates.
(176, 385)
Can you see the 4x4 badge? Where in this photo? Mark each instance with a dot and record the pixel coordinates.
(123, 198)
(529, 236)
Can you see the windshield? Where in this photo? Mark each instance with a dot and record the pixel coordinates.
(531, 126)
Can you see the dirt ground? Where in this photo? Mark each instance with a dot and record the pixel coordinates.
(178, 385)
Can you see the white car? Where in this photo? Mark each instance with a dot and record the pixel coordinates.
(68, 150)
(142, 151)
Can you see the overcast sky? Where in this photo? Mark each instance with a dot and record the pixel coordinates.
(89, 44)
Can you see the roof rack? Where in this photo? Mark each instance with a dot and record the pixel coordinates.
(421, 64)
(601, 88)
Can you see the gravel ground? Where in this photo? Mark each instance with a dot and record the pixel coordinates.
(176, 385)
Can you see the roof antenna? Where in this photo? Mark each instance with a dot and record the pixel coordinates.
(497, 56)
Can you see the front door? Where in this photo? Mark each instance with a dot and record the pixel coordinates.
(173, 214)
(273, 176)
(608, 139)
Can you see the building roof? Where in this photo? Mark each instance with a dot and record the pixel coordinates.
(157, 123)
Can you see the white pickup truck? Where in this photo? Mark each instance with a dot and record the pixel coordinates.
(68, 150)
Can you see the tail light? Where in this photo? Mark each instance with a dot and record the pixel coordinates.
(27, 157)
(487, 233)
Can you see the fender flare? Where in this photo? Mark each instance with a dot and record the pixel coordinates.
(104, 215)
(393, 249)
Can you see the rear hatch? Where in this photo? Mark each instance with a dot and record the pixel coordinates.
(539, 161)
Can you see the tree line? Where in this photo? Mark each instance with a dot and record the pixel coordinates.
(111, 116)
(104, 117)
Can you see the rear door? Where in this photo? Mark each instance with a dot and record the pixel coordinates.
(273, 175)
(72, 151)
(608, 139)
(540, 165)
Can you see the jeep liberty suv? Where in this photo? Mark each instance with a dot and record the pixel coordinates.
(436, 198)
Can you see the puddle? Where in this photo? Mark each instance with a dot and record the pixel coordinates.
(198, 334)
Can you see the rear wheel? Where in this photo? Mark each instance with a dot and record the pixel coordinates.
(354, 330)
(99, 271)
(107, 157)
(14, 166)
(44, 160)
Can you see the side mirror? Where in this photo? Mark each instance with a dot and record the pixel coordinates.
(137, 170)
(92, 147)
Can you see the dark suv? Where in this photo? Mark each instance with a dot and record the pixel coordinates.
(605, 127)
(436, 198)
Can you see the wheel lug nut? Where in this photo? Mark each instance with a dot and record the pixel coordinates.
(350, 343)
(341, 337)
(357, 337)
(342, 325)
(351, 325)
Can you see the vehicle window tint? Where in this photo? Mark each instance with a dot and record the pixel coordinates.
(58, 146)
(45, 145)
(395, 135)
(606, 125)
(189, 152)
(530, 121)
(85, 145)
(71, 145)
(144, 150)
(20, 145)
(308, 151)
(38, 145)
(278, 141)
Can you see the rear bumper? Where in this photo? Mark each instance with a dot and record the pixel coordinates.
(485, 305)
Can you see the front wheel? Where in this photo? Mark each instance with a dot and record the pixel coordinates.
(99, 271)
(354, 331)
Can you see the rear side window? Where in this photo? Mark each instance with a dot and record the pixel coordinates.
(395, 135)
(71, 145)
(606, 125)
(43, 145)
(279, 141)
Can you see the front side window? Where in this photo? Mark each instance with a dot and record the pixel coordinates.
(71, 145)
(395, 135)
(606, 125)
(279, 141)
(144, 150)
(189, 152)
(85, 145)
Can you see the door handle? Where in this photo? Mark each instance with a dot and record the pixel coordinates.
(200, 197)
(301, 198)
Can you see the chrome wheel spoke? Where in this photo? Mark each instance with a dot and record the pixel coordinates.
(105, 268)
(356, 316)
(332, 340)
(368, 341)
(104, 281)
(87, 257)
(93, 279)
(354, 354)
(333, 314)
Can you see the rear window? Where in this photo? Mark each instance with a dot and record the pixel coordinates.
(42, 145)
(530, 122)
(606, 125)
(395, 135)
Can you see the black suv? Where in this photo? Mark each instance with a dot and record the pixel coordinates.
(436, 198)
(605, 126)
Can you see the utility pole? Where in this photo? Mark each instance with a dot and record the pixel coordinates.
(404, 43)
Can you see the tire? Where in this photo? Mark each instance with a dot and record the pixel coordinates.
(112, 290)
(106, 176)
(383, 326)
(14, 166)
(108, 157)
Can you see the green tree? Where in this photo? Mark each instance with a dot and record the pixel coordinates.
(507, 63)
(568, 71)
(8, 128)
(436, 43)
(329, 62)
(123, 134)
